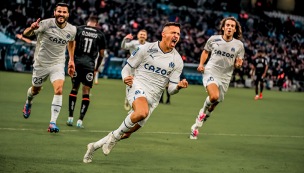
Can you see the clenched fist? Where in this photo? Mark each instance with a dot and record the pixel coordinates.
(238, 63)
(182, 84)
(128, 80)
(201, 68)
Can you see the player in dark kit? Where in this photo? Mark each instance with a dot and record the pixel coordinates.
(89, 43)
(260, 67)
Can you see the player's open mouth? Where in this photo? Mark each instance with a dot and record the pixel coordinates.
(173, 42)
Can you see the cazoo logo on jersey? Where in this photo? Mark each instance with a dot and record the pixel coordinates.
(58, 40)
(157, 69)
(223, 53)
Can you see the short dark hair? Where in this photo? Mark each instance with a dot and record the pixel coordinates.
(172, 24)
(62, 4)
(93, 19)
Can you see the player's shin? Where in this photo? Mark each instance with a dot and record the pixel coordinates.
(125, 126)
(72, 102)
(100, 143)
(96, 77)
(207, 105)
(56, 106)
(84, 107)
(261, 87)
(30, 96)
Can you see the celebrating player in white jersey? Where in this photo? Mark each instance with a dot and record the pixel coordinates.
(155, 65)
(54, 35)
(227, 52)
(131, 46)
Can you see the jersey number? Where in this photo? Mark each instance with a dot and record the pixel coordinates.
(87, 48)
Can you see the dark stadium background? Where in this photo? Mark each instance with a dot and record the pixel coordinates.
(275, 26)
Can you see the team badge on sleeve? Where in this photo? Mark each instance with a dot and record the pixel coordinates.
(135, 51)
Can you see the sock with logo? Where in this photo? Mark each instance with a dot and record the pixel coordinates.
(125, 126)
(72, 102)
(84, 106)
(56, 106)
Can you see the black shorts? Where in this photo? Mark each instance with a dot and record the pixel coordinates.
(84, 76)
(258, 79)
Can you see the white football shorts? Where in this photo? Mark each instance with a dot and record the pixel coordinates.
(221, 84)
(40, 74)
(135, 92)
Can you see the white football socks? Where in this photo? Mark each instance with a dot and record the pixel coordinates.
(96, 77)
(125, 126)
(30, 96)
(56, 106)
(100, 143)
(207, 105)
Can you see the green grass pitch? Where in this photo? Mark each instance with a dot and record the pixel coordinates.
(242, 135)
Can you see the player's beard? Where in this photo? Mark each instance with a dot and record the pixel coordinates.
(60, 23)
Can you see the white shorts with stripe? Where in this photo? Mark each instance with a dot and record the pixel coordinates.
(132, 93)
(40, 74)
(221, 84)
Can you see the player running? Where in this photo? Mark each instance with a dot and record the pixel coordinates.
(89, 42)
(260, 67)
(131, 46)
(227, 52)
(54, 35)
(155, 65)
(102, 65)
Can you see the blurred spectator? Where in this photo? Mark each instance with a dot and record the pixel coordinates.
(282, 42)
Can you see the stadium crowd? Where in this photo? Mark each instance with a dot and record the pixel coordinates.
(282, 42)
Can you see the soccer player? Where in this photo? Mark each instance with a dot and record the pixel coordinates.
(54, 35)
(102, 65)
(131, 46)
(89, 43)
(155, 65)
(260, 67)
(227, 52)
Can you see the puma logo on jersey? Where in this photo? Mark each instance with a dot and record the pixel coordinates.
(157, 69)
(152, 57)
(223, 53)
(58, 40)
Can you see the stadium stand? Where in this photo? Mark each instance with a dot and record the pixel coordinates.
(279, 35)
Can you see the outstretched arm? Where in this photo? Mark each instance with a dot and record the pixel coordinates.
(24, 39)
(124, 44)
(30, 30)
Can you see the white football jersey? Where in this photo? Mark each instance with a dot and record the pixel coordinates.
(223, 56)
(52, 42)
(154, 68)
(132, 45)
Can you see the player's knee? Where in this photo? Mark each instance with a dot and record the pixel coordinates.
(214, 98)
(58, 91)
(142, 114)
(36, 90)
(126, 135)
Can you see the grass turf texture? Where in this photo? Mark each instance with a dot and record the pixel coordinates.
(242, 135)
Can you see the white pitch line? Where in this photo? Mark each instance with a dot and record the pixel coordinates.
(171, 133)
